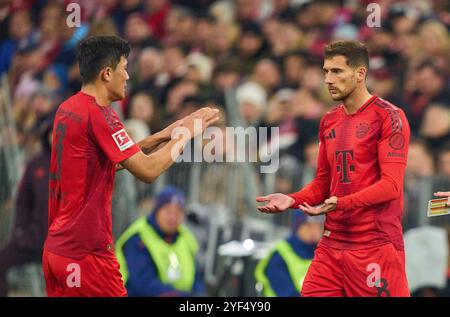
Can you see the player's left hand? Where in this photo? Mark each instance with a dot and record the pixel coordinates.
(327, 206)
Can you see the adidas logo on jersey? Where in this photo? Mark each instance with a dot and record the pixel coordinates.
(331, 135)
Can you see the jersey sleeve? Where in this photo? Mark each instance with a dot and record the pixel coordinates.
(393, 144)
(389, 187)
(108, 132)
(319, 189)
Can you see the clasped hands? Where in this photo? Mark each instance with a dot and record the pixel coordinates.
(279, 202)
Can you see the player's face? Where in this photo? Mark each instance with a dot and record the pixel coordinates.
(340, 78)
(170, 217)
(118, 80)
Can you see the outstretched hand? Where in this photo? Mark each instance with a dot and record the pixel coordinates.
(275, 203)
(206, 116)
(444, 194)
(327, 206)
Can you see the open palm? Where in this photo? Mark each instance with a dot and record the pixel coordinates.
(275, 203)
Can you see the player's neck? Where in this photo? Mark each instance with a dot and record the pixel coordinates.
(99, 92)
(356, 100)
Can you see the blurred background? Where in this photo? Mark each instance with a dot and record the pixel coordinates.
(260, 61)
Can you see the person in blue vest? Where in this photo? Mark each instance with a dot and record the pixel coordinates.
(282, 272)
(157, 253)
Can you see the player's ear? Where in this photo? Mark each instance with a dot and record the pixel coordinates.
(361, 73)
(106, 74)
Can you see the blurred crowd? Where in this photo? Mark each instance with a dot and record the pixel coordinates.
(188, 53)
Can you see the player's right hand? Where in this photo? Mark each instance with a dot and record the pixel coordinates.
(275, 203)
(206, 116)
(444, 194)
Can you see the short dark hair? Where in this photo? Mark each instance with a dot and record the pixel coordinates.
(355, 52)
(428, 63)
(96, 52)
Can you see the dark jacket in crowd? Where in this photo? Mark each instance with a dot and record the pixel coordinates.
(31, 218)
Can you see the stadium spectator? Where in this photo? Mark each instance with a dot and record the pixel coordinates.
(437, 48)
(420, 167)
(443, 160)
(200, 68)
(251, 46)
(430, 86)
(142, 107)
(123, 10)
(435, 127)
(20, 31)
(157, 253)
(177, 94)
(225, 76)
(252, 99)
(157, 11)
(267, 74)
(28, 234)
(282, 272)
(138, 34)
(420, 159)
(293, 66)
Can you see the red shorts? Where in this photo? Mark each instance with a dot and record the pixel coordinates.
(377, 271)
(92, 276)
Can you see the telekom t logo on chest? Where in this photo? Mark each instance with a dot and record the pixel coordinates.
(345, 165)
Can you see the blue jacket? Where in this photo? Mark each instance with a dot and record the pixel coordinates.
(143, 277)
(277, 271)
(7, 51)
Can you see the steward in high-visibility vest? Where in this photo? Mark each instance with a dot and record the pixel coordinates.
(282, 272)
(157, 253)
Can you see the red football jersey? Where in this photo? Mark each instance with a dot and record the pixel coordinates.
(362, 159)
(88, 141)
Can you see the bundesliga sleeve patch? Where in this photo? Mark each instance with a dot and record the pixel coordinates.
(122, 140)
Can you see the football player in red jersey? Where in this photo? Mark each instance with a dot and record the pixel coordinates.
(358, 185)
(89, 143)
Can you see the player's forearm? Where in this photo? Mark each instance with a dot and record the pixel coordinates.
(160, 160)
(150, 143)
(388, 188)
(314, 193)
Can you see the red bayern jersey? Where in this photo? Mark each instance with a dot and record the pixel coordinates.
(88, 141)
(362, 159)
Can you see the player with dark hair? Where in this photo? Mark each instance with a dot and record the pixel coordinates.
(89, 143)
(358, 185)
